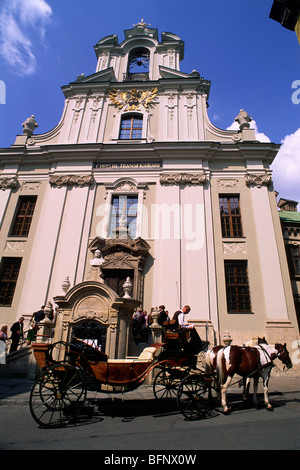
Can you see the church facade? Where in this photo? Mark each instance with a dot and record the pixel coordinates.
(135, 170)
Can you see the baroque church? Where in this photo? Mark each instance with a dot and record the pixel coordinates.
(136, 187)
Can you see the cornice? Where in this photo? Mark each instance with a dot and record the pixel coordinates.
(205, 150)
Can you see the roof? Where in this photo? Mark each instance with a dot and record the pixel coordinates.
(289, 216)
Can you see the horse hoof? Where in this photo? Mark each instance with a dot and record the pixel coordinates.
(226, 412)
(269, 408)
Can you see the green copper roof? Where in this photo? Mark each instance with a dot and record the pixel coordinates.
(289, 216)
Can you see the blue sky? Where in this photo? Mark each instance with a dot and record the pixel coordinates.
(251, 60)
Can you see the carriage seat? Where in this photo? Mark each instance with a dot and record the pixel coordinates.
(148, 354)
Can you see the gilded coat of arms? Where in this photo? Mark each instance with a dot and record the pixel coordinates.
(132, 100)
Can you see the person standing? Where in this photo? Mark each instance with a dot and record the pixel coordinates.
(3, 338)
(16, 334)
(162, 315)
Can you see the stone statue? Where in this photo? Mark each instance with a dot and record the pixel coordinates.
(29, 126)
(243, 119)
(98, 259)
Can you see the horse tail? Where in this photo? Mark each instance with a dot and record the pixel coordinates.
(220, 369)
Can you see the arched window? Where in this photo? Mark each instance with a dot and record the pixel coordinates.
(138, 64)
(131, 126)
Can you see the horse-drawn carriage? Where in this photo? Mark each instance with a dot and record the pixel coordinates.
(70, 370)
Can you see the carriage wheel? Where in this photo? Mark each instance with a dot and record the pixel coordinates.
(193, 397)
(166, 384)
(57, 396)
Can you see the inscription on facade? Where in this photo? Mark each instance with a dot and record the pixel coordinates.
(127, 165)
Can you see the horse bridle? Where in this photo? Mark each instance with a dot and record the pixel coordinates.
(279, 353)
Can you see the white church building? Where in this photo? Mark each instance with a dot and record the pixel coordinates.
(136, 170)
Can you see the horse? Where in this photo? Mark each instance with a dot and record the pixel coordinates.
(249, 362)
(211, 359)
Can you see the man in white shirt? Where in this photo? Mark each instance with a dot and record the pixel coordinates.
(196, 344)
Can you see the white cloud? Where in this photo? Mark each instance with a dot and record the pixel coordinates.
(260, 136)
(286, 167)
(18, 20)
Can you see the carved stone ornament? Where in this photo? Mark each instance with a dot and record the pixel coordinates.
(243, 119)
(258, 180)
(29, 126)
(8, 183)
(71, 180)
(183, 178)
(131, 100)
(234, 248)
(228, 183)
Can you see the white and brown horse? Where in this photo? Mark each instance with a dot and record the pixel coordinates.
(249, 362)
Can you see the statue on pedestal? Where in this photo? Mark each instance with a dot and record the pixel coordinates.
(29, 126)
(243, 119)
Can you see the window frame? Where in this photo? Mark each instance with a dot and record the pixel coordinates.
(9, 283)
(231, 223)
(131, 117)
(24, 220)
(295, 255)
(123, 198)
(238, 289)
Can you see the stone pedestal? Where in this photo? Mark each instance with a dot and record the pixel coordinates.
(155, 335)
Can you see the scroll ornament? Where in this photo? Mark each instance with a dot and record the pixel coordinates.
(258, 180)
(183, 178)
(71, 180)
(8, 183)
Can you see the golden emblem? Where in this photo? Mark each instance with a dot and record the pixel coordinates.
(132, 99)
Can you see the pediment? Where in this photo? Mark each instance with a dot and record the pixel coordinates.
(106, 75)
(137, 247)
(166, 72)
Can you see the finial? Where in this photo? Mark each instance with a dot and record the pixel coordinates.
(141, 24)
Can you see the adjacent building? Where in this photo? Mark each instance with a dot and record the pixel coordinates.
(136, 182)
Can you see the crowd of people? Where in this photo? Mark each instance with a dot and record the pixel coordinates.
(141, 321)
(17, 333)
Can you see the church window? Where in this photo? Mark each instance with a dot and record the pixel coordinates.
(9, 272)
(231, 221)
(131, 127)
(124, 215)
(23, 216)
(295, 252)
(237, 287)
